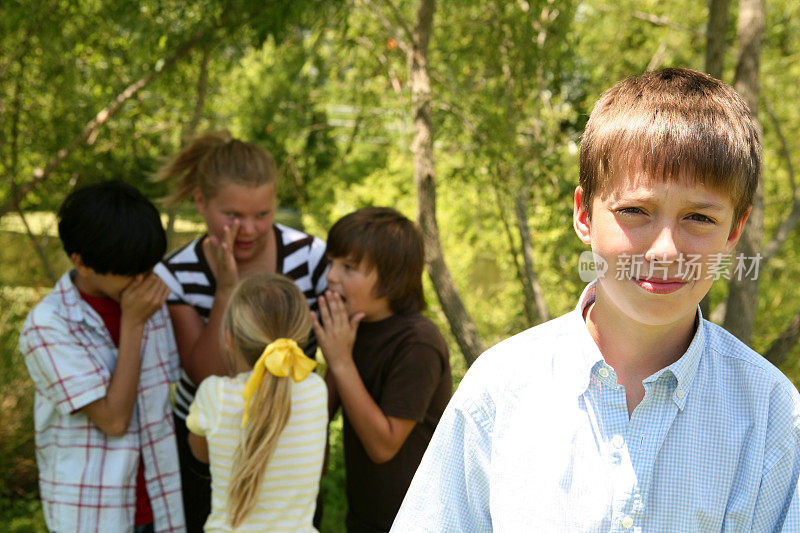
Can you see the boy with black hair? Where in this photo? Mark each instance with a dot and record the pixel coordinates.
(631, 413)
(102, 355)
(388, 366)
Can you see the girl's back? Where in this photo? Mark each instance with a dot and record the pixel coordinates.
(288, 490)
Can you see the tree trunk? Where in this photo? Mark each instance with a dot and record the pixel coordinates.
(743, 293)
(425, 178)
(715, 36)
(780, 348)
(715, 61)
(521, 213)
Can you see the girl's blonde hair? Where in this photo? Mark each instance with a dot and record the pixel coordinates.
(213, 159)
(263, 308)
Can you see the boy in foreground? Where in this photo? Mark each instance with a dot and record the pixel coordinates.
(388, 365)
(631, 413)
(101, 353)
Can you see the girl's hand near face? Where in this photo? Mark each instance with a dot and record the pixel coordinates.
(219, 254)
(336, 333)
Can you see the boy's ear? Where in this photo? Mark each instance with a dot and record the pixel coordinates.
(736, 231)
(580, 218)
(77, 262)
(199, 201)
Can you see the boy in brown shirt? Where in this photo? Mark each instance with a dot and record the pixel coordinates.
(388, 366)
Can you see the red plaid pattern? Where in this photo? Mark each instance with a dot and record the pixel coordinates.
(87, 479)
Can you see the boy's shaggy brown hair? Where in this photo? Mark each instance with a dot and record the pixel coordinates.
(674, 124)
(386, 240)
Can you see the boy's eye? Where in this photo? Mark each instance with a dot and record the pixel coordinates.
(697, 217)
(630, 211)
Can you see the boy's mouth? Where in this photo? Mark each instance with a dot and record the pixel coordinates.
(339, 294)
(660, 286)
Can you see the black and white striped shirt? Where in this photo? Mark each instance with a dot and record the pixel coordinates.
(186, 272)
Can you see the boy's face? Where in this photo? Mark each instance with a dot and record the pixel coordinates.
(355, 283)
(253, 207)
(99, 285)
(651, 235)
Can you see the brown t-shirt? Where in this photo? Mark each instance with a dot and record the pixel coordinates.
(404, 364)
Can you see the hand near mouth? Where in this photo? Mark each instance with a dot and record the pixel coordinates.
(219, 254)
(335, 331)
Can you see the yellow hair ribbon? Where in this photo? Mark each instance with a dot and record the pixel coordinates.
(282, 357)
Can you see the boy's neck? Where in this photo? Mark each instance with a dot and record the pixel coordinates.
(84, 286)
(635, 350)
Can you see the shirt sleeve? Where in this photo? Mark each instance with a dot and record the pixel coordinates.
(450, 490)
(411, 382)
(201, 418)
(174, 372)
(318, 266)
(176, 294)
(62, 369)
(778, 502)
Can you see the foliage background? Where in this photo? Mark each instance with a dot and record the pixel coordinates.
(323, 86)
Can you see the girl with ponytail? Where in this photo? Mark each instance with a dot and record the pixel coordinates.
(233, 184)
(264, 430)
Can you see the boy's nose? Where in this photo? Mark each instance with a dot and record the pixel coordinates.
(664, 247)
(332, 274)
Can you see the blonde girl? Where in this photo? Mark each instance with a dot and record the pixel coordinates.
(233, 184)
(263, 431)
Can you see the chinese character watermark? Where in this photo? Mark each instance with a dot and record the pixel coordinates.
(686, 267)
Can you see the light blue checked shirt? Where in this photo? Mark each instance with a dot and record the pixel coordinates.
(537, 438)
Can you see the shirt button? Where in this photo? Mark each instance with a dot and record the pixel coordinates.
(617, 441)
(603, 372)
(679, 393)
(627, 522)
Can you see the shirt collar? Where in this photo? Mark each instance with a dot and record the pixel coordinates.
(589, 356)
(71, 306)
(685, 369)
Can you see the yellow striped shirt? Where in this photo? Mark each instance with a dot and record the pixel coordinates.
(289, 486)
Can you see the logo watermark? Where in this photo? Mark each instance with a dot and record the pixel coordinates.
(686, 267)
(591, 266)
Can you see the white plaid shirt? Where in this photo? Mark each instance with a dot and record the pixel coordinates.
(537, 438)
(87, 479)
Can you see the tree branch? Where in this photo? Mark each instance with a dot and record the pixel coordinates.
(664, 21)
(48, 268)
(403, 44)
(399, 19)
(654, 20)
(93, 127)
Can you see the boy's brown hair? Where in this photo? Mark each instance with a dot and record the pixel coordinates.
(673, 124)
(389, 242)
